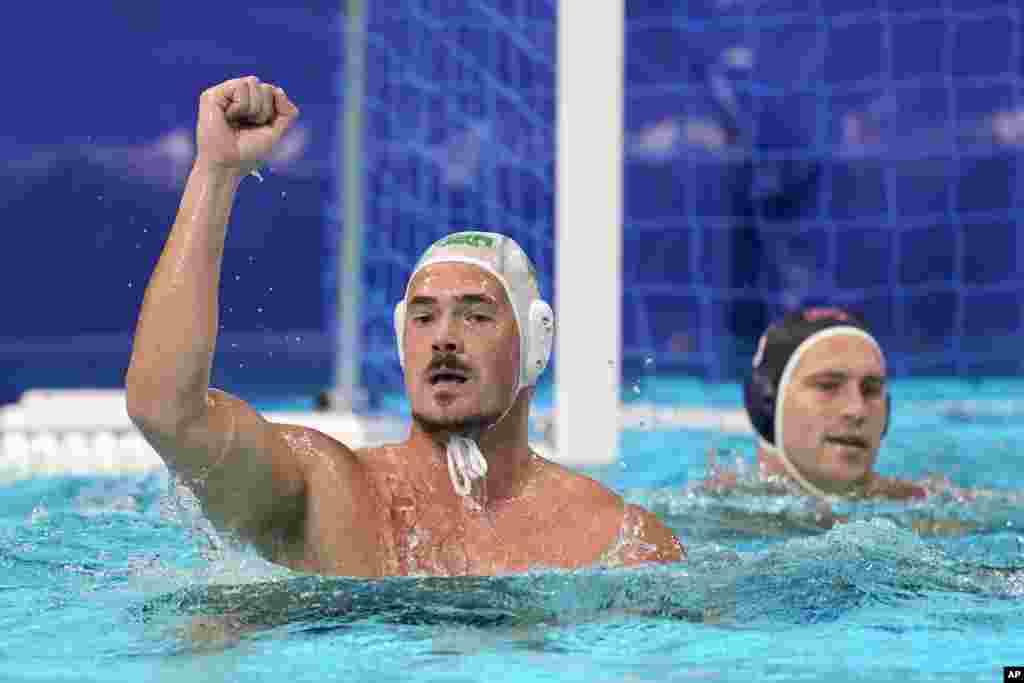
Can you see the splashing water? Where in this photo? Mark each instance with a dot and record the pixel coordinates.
(124, 579)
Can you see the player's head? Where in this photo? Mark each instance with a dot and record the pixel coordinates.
(817, 397)
(472, 330)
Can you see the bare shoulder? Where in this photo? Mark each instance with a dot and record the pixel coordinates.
(648, 539)
(895, 489)
(343, 519)
(312, 446)
(640, 535)
(577, 489)
(380, 470)
(322, 455)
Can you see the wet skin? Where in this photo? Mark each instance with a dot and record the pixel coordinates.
(308, 501)
(558, 520)
(461, 368)
(461, 349)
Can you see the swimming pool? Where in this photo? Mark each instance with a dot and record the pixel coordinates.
(111, 579)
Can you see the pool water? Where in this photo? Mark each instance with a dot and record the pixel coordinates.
(120, 579)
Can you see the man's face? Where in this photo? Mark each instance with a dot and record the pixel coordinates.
(834, 412)
(461, 348)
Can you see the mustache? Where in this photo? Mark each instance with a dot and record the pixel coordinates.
(448, 361)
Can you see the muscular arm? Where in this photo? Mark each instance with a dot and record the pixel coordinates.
(248, 477)
(231, 457)
(176, 333)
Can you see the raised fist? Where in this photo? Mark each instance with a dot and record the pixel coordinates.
(240, 121)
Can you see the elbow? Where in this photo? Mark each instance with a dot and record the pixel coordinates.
(153, 410)
(146, 410)
(139, 402)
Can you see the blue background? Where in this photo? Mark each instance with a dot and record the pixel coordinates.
(775, 155)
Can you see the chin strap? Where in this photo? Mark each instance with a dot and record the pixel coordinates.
(465, 463)
(796, 475)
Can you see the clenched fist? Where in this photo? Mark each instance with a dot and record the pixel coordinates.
(240, 121)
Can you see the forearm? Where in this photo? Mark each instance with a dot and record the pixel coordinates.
(176, 334)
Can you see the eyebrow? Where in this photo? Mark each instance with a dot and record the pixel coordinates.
(842, 374)
(464, 299)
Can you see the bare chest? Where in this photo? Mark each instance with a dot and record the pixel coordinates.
(419, 526)
(466, 539)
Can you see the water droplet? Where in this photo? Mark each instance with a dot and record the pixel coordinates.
(252, 259)
(99, 197)
(283, 195)
(298, 339)
(649, 361)
(270, 289)
(130, 284)
(234, 345)
(237, 278)
(38, 513)
(259, 309)
(636, 388)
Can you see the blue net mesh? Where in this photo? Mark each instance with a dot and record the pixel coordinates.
(777, 154)
(459, 123)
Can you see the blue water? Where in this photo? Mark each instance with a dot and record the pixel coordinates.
(122, 579)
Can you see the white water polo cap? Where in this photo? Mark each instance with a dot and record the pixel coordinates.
(503, 258)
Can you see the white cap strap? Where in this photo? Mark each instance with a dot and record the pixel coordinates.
(465, 463)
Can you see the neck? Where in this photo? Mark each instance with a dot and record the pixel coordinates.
(504, 445)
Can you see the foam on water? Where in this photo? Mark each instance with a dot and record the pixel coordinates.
(121, 578)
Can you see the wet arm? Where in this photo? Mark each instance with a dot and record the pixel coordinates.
(202, 433)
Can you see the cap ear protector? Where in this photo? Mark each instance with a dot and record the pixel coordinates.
(540, 338)
(399, 321)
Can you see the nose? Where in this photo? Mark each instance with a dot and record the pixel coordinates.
(447, 336)
(855, 404)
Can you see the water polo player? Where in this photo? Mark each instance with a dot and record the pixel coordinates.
(463, 494)
(818, 399)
